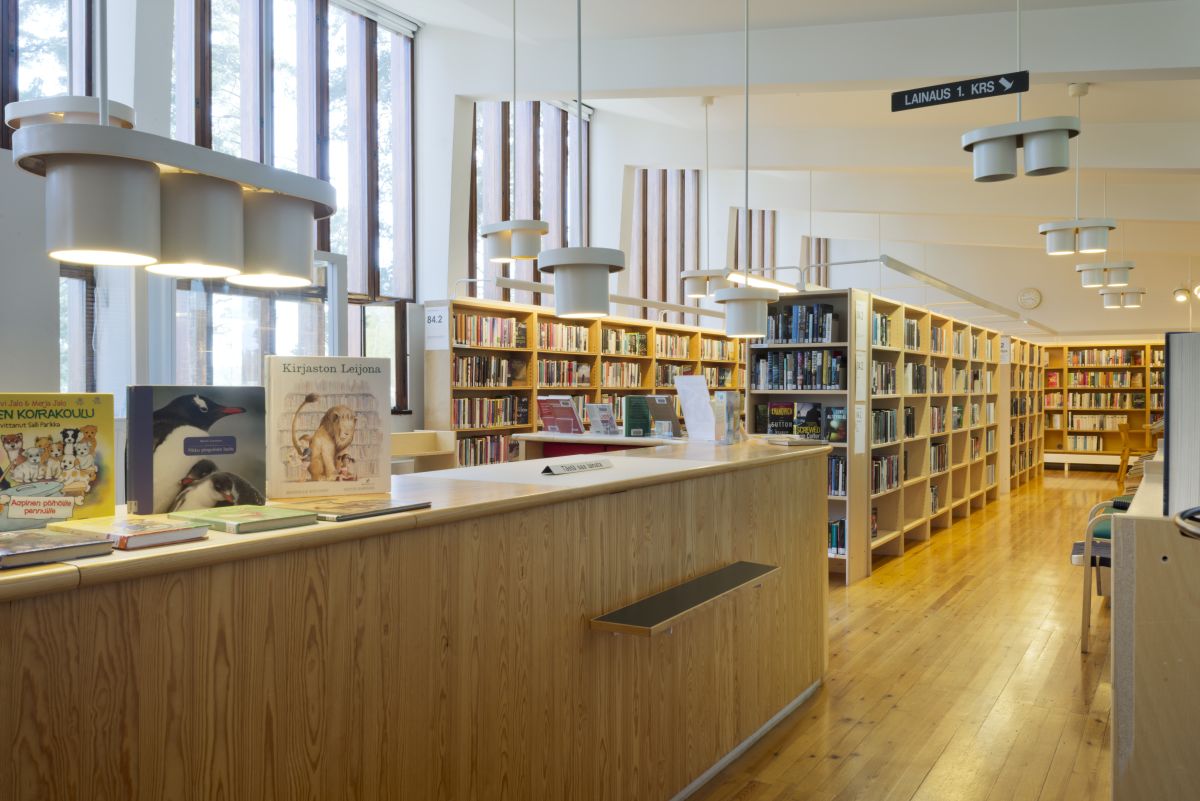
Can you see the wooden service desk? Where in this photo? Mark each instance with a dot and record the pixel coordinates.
(547, 443)
(438, 654)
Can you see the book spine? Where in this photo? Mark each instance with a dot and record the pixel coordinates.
(139, 451)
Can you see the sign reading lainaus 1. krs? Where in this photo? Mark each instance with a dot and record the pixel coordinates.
(1010, 83)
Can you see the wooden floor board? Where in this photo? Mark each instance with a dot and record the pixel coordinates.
(955, 672)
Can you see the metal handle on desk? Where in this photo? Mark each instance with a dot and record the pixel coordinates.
(1188, 522)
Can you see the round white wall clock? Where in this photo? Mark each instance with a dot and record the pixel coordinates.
(1029, 298)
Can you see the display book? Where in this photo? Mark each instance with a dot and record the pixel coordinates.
(327, 426)
(195, 447)
(135, 531)
(58, 459)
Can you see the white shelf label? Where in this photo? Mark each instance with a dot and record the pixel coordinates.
(437, 327)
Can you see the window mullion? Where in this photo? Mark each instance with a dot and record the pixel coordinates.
(370, 66)
(321, 9)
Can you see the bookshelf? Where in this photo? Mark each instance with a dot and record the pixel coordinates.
(1023, 433)
(486, 382)
(905, 445)
(1090, 388)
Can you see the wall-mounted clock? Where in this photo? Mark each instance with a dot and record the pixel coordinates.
(1029, 298)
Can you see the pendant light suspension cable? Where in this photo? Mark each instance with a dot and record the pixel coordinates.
(707, 193)
(1078, 147)
(579, 115)
(100, 12)
(1019, 56)
(746, 137)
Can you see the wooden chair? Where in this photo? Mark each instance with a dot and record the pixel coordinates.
(1127, 452)
(1094, 553)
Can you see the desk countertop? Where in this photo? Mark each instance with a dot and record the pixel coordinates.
(458, 494)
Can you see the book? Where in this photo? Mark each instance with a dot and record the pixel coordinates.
(558, 416)
(328, 430)
(247, 519)
(835, 423)
(57, 460)
(809, 422)
(195, 447)
(662, 410)
(601, 417)
(781, 417)
(1181, 433)
(134, 532)
(339, 510)
(635, 415)
(29, 546)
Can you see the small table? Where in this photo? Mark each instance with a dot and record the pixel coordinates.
(549, 443)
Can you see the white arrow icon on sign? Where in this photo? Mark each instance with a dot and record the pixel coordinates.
(1006, 83)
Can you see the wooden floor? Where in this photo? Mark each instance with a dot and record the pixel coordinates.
(955, 672)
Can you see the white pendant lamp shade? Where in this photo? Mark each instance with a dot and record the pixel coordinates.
(1122, 298)
(746, 310)
(703, 283)
(513, 240)
(1067, 237)
(1045, 142)
(995, 159)
(1091, 276)
(102, 210)
(1117, 273)
(279, 241)
(581, 279)
(201, 227)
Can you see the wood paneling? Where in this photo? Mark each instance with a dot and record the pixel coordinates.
(450, 661)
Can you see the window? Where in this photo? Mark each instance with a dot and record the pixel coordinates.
(666, 236)
(752, 246)
(313, 87)
(45, 51)
(76, 305)
(529, 174)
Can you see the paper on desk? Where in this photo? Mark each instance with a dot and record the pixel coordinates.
(697, 407)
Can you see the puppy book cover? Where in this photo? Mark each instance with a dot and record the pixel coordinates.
(57, 461)
(328, 426)
(195, 447)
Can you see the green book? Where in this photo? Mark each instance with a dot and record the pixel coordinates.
(247, 519)
(636, 416)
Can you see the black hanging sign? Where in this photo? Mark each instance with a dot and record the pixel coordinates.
(1010, 83)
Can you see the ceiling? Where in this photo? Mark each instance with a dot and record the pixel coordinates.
(609, 19)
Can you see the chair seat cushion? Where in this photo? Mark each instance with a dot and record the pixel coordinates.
(1103, 530)
(1101, 553)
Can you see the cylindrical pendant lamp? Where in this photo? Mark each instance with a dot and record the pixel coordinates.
(513, 240)
(581, 279)
(1093, 238)
(995, 159)
(1111, 298)
(1047, 152)
(279, 240)
(1117, 273)
(1132, 298)
(201, 227)
(1091, 276)
(746, 310)
(102, 210)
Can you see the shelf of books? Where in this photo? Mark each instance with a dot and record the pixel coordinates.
(498, 358)
(1091, 390)
(1023, 427)
(909, 401)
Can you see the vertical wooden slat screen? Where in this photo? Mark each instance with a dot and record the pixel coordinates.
(656, 235)
(636, 263)
(665, 237)
(673, 241)
(525, 186)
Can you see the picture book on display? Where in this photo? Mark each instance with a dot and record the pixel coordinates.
(134, 532)
(662, 410)
(328, 431)
(558, 416)
(26, 546)
(195, 447)
(248, 519)
(339, 510)
(57, 460)
(602, 420)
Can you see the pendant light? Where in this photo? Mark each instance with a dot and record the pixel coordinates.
(1105, 274)
(580, 273)
(1044, 141)
(279, 241)
(704, 282)
(513, 240)
(1090, 235)
(1122, 298)
(201, 227)
(745, 306)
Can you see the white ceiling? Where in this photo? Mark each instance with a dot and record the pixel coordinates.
(608, 19)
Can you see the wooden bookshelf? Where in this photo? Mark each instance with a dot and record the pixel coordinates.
(1022, 425)
(1089, 388)
(561, 356)
(917, 346)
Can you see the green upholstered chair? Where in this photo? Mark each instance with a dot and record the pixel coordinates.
(1095, 552)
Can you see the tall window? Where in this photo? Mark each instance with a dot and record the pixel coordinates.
(45, 51)
(314, 87)
(751, 244)
(529, 175)
(666, 235)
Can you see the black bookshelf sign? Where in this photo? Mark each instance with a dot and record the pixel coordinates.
(1009, 83)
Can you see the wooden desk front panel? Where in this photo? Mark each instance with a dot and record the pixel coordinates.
(452, 662)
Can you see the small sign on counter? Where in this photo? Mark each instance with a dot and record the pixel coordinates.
(575, 467)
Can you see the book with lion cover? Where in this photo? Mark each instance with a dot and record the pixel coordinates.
(328, 426)
(56, 458)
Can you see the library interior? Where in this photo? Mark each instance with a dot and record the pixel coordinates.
(723, 400)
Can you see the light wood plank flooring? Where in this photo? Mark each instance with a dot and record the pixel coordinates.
(955, 672)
